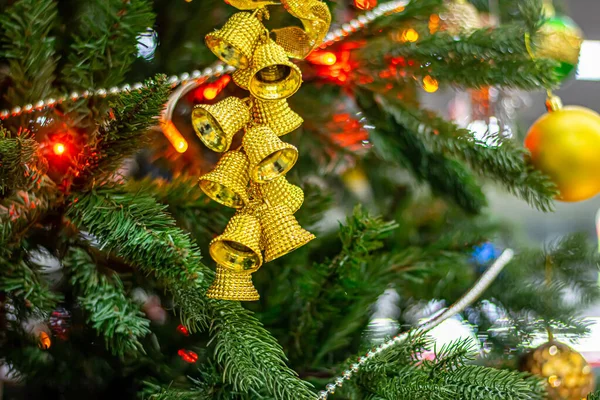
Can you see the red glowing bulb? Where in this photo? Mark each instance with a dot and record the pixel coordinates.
(188, 356)
(59, 149)
(183, 330)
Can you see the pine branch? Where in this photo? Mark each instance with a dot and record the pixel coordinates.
(505, 163)
(29, 49)
(132, 113)
(20, 167)
(105, 42)
(21, 210)
(109, 312)
(103, 49)
(481, 383)
(137, 229)
(594, 396)
(395, 143)
(22, 280)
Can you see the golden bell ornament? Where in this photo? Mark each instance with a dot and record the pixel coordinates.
(282, 233)
(238, 248)
(216, 124)
(568, 375)
(230, 285)
(269, 156)
(227, 182)
(235, 42)
(277, 115)
(280, 192)
(273, 76)
(241, 77)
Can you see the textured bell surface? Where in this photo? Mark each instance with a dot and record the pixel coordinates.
(229, 285)
(216, 124)
(282, 233)
(228, 181)
(280, 192)
(277, 115)
(273, 76)
(238, 248)
(269, 157)
(235, 42)
(241, 77)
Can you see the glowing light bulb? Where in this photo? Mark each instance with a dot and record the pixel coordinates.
(430, 85)
(174, 136)
(329, 58)
(410, 35)
(59, 149)
(210, 92)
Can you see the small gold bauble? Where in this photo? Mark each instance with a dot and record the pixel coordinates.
(460, 16)
(567, 374)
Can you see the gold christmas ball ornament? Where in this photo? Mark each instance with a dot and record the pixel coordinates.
(216, 124)
(567, 374)
(560, 39)
(565, 145)
(269, 156)
(235, 42)
(277, 115)
(238, 248)
(460, 16)
(234, 286)
(227, 182)
(273, 76)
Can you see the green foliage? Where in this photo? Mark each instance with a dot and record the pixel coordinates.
(21, 280)
(447, 375)
(594, 396)
(29, 49)
(399, 144)
(505, 163)
(136, 228)
(131, 114)
(20, 167)
(109, 312)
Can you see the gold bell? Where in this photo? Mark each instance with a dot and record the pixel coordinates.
(273, 76)
(282, 233)
(277, 115)
(269, 157)
(216, 124)
(227, 182)
(238, 248)
(235, 42)
(280, 192)
(241, 77)
(229, 285)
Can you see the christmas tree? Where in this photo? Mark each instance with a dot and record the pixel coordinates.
(105, 281)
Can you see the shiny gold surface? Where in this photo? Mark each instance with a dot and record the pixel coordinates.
(280, 192)
(273, 76)
(216, 124)
(277, 115)
(234, 286)
(238, 248)
(269, 157)
(227, 182)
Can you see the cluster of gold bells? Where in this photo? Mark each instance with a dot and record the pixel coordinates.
(252, 178)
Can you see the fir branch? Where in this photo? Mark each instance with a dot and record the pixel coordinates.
(103, 49)
(132, 113)
(21, 210)
(137, 229)
(506, 163)
(395, 143)
(109, 312)
(482, 383)
(451, 356)
(594, 396)
(22, 280)
(29, 49)
(105, 42)
(20, 167)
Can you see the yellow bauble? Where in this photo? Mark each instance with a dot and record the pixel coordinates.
(568, 375)
(565, 145)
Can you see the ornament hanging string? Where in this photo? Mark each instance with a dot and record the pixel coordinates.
(466, 300)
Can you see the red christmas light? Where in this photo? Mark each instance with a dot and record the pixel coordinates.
(188, 356)
(59, 148)
(183, 330)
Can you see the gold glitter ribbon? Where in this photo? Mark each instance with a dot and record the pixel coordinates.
(297, 42)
